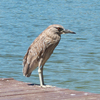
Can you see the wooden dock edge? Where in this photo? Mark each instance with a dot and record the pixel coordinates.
(11, 89)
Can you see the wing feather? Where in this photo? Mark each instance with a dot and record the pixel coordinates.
(34, 52)
(42, 47)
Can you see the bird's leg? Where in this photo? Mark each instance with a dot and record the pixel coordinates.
(40, 71)
(42, 74)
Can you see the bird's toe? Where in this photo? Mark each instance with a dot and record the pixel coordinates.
(46, 86)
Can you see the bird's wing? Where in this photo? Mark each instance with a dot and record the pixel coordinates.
(34, 53)
(43, 46)
(30, 61)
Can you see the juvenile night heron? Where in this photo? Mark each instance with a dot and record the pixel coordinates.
(41, 49)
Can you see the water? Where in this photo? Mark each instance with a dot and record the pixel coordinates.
(75, 63)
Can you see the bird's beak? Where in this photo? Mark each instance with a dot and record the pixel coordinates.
(68, 31)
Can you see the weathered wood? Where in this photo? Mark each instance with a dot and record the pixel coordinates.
(11, 89)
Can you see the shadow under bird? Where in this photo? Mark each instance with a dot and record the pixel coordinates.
(41, 49)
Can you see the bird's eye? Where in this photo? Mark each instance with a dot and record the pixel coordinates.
(59, 29)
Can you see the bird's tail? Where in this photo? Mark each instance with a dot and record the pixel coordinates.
(26, 71)
(28, 66)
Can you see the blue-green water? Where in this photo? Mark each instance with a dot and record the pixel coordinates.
(75, 63)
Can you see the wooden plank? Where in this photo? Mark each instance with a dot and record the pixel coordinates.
(11, 89)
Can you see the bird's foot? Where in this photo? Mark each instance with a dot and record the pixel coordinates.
(46, 86)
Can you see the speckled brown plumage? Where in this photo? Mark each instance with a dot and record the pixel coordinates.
(42, 48)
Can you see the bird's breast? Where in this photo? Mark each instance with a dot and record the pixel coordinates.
(49, 50)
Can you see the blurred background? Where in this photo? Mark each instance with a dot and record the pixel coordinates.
(75, 63)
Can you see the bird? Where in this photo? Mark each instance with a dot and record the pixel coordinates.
(41, 49)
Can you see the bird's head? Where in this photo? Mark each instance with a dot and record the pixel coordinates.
(59, 29)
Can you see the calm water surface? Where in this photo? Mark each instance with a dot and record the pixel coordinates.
(75, 63)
